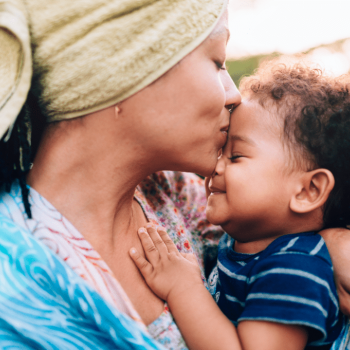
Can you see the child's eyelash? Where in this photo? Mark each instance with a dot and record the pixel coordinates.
(234, 157)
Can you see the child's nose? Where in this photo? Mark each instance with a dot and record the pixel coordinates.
(220, 166)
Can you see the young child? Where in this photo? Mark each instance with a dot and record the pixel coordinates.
(282, 177)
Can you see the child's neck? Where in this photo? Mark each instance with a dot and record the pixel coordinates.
(259, 245)
(252, 247)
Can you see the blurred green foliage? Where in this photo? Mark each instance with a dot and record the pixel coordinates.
(246, 66)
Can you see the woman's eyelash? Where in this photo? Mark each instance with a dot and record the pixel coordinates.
(221, 65)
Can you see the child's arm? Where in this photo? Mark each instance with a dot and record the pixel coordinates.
(338, 244)
(176, 278)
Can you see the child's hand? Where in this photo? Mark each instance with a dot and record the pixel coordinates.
(166, 271)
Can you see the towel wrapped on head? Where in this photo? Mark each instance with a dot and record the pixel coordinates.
(85, 55)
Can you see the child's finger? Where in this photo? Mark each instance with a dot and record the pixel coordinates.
(171, 247)
(157, 241)
(151, 252)
(142, 264)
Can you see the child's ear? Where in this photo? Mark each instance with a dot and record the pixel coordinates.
(312, 191)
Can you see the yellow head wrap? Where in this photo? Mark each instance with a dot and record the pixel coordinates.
(90, 54)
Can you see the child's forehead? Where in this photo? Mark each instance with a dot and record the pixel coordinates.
(251, 117)
(256, 129)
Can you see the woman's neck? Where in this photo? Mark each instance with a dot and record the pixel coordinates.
(89, 182)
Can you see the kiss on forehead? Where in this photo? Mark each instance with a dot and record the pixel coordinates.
(276, 184)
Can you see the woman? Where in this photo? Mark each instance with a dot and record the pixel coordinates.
(115, 119)
(130, 88)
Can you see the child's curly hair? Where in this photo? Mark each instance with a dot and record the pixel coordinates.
(315, 110)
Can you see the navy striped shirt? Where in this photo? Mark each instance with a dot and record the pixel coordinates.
(290, 282)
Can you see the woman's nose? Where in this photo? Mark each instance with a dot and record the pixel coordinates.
(233, 97)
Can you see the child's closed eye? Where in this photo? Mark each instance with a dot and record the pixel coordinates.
(235, 157)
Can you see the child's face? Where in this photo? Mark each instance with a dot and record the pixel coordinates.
(251, 189)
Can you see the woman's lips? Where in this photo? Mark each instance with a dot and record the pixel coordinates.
(216, 192)
(224, 130)
(224, 135)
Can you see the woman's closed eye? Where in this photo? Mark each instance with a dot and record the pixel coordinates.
(220, 65)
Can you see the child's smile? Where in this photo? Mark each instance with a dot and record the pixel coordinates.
(252, 184)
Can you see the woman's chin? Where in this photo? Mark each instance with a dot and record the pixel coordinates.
(208, 170)
(205, 165)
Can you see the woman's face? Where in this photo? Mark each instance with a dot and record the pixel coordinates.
(181, 120)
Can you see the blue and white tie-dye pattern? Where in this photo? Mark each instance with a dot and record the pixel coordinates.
(343, 341)
(45, 305)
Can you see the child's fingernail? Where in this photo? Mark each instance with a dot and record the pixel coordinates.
(160, 228)
(133, 251)
(142, 230)
(149, 225)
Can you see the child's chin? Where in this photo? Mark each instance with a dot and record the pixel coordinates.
(211, 217)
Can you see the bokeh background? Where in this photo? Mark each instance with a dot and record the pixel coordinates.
(261, 29)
